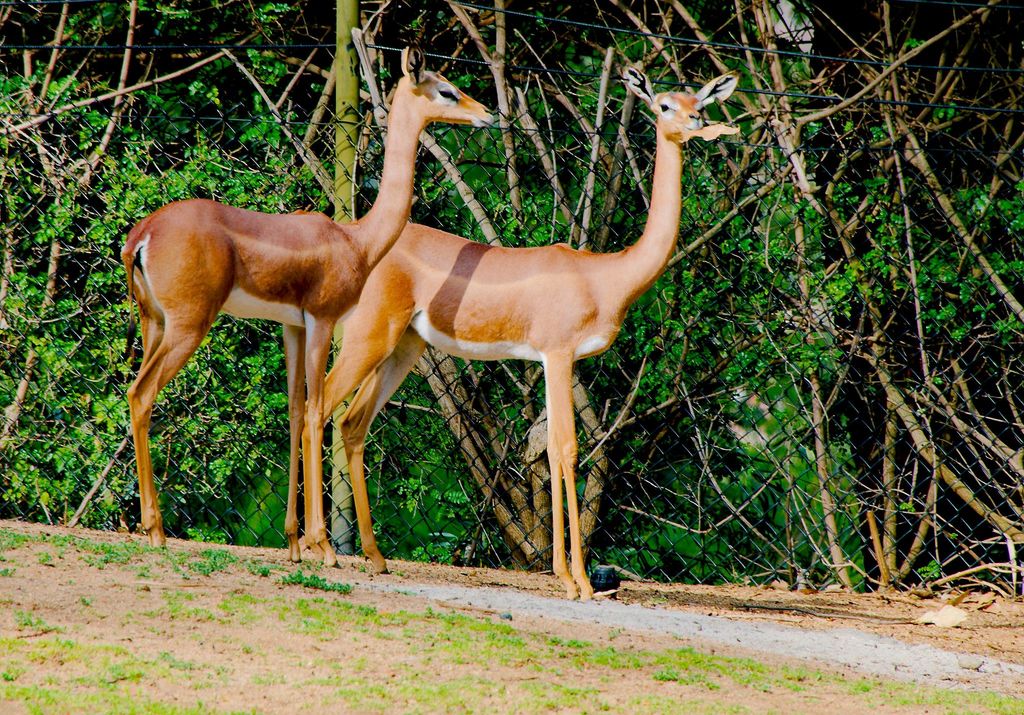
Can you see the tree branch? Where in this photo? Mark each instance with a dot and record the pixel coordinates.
(895, 65)
(454, 174)
(314, 164)
(11, 129)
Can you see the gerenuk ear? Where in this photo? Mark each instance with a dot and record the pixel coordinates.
(637, 83)
(414, 63)
(716, 90)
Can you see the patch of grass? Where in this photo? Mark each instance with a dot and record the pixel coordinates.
(178, 607)
(548, 697)
(264, 570)
(268, 679)
(11, 673)
(465, 639)
(689, 705)
(859, 687)
(686, 665)
(8, 571)
(314, 616)
(322, 617)
(118, 672)
(686, 677)
(24, 619)
(45, 558)
(176, 663)
(100, 554)
(11, 539)
(367, 612)
(61, 542)
(418, 690)
(117, 554)
(611, 657)
(97, 553)
(212, 560)
(567, 643)
(177, 561)
(29, 621)
(257, 569)
(42, 699)
(882, 694)
(310, 580)
(241, 608)
(77, 677)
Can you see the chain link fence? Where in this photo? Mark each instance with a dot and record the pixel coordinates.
(823, 387)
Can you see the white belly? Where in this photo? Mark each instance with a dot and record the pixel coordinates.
(592, 346)
(245, 305)
(501, 350)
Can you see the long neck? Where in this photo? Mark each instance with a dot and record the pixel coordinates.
(383, 223)
(642, 263)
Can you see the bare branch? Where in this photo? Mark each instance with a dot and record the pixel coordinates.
(323, 103)
(453, 172)
(87, 499)
(670, 60)
(547, 157)
(122, 80)
(917, 157)
(57, 40)
(496, 63)
(89, 101)
(595, 144)
(296, 76)
(895, 65)
(314, 164)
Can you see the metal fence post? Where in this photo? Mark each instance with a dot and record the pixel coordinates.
(347, 115)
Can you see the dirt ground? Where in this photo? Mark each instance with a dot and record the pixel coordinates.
(994, 626)
(53, 586)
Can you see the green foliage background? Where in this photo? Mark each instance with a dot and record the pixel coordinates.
(712, 464)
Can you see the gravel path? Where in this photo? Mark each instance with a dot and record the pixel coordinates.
(864, 652)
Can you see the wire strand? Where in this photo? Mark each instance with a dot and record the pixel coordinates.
(230, 118)
(872, 101)
(18, 3)
(730, 45)
(161, 48)
(971, 5)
